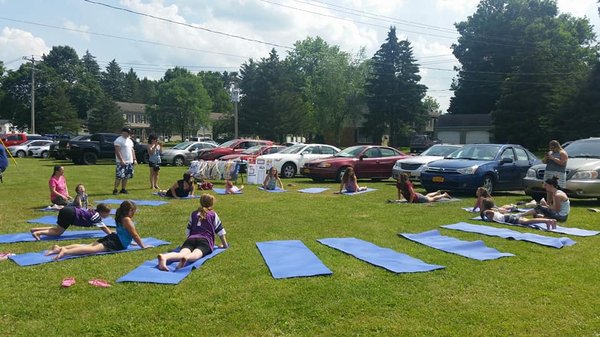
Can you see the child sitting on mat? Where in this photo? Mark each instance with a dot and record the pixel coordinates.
(230, 188)
(406, 191)
(349, 182)
(272, 180)
(126, 233)
(489, 214)
(70, 215)
(81, 199)
(204, 223)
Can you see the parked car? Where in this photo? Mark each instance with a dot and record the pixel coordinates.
(203, 139)
(583, 171)
(420, 143)
(22, 149)
(290, 160)
(253, 152)
(231, 147)
(414, 164)
(184, 153)
(10, 139)
(368, 161)
(494, 166)
(100, 145)
(40, 151)
(59, 150)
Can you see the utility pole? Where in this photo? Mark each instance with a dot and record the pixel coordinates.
(32, 59)
(235, 97)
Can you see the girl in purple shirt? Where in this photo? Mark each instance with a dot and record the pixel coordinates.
(204, 223)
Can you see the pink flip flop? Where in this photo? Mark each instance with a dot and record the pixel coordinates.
(99, 283)
(69, 281)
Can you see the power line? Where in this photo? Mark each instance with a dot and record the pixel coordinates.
(187, 24)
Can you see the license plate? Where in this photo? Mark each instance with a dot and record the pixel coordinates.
(305, 170)
(438, 179)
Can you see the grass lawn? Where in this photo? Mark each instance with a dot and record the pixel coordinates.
(539, 292)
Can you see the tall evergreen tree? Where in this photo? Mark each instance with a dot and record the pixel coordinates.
(106, 117)
(132, 87)
(394, 95)
(113, 81)
(148, 91)
(57, 113)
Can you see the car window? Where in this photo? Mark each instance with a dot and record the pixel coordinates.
(274, 149)
(373, 152)
(327, 150)
(13, 137)
(111, 138)
(95, 138)
(508, 153)
(313, 150)
(521, 154)
(388, 152)
(37, 143)
(589, 148)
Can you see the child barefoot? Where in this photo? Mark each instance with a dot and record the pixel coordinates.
(230, 188)
(406, 190)
(70, 215)
(204, 223)
(126, 233)
(350, 183)
(489, 214)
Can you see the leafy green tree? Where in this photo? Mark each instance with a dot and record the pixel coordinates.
(65, 61)
(148, 91)
(57, 113)
(217, 90)
(106, 117)
(394, 95)
(113, 81)
(132, 87)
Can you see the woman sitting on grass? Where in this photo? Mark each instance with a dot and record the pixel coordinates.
(489, 214)
(350, 182)
(406, 191)
(204, 223)
(71, 215)
(126, 233)
(558, 206)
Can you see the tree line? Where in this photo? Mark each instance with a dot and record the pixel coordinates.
(536, 72)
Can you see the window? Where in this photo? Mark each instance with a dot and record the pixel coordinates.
(312, 150)
(521, 155)
(388, 153)
(508, 153)
(373, 152)
(328, 150)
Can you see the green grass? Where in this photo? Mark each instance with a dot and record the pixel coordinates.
(539, 292)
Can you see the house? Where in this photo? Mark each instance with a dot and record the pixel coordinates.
(464, 128)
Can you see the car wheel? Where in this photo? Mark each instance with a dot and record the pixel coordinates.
(45, 154)
(288, 170)
(178, 161)
(340, 174)
(488, 184)
(21, 154)
(89, 158)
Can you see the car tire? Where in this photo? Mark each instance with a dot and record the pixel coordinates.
(179, 161)
(89, 158)
(288, 170)
(489, 184)
(44, 154)
(21, 154)
(340, 174)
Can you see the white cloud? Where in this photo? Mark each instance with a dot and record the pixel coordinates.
(462, 8)
(80, 30)
(16, 43)
(577, 7)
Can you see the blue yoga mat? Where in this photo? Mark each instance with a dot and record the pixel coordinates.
(511, 234)
(164, 196)
(361, 192)
(313, 190)
(30, 259)
(148, 273)
(51, 220)
(68, 235)
(222, 191)
(378, 256)
(558, 229)
(291, 258)
(476, 250)
(277, 190)
(137, 202)
(470, 209)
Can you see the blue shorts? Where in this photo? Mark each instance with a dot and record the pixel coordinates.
(124, 171)
(421, 199)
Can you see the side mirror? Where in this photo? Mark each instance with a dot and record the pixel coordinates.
(506, 160)
(303, 153)
(361, 157)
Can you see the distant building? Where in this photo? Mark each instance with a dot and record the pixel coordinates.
(464, 129)
(6, 126)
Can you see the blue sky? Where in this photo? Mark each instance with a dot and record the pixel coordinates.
(150, 46)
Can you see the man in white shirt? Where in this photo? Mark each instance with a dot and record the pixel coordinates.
(125, 159)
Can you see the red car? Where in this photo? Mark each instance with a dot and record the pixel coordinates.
(369, 161)
(254, 152)
(234, 146)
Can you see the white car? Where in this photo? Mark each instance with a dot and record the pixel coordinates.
(289, 160)
(413, 165)
(40, 151)
(21, 150)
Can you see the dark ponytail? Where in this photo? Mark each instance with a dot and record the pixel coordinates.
(56, 169)
(553, 182)
(124, 209)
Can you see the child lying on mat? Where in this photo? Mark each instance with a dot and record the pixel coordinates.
(406, 191)
(230, 188)
(489, 214)
(70, 215)
(482, 194)
(204, 223)
(126, 233)
(350, 183)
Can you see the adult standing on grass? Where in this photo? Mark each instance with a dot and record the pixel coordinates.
(59, 193)
(556, 165)
(154, 151)
(125, 157)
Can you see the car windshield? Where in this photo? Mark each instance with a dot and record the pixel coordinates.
(439, 150)
(352, 151)
(182, 146)
(228, 143)
(293, 149)
(252, 150)
(475, 152)
(584, 149)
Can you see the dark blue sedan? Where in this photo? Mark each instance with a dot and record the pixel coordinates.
(493, 166)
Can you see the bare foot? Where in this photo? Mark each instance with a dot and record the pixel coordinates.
(552, 224)
(182, 263)
(35, 235)
(54, 250)
(61, 253)
(162, 264)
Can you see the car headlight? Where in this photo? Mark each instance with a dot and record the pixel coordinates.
(585, 175)
(530, 173)
(468, 170)
(324, 165)
(397, 166)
